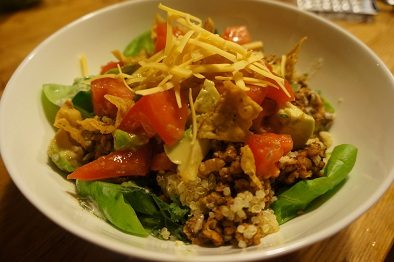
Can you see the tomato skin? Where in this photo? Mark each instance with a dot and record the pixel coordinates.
(110, 65)
(116, 164)
(157, 114)
(103, 86)
(161, 162)
(257, 93)
(161, 35)
(267, 149)
(237, 34)
(279, 96)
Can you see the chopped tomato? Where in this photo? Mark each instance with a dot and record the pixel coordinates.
(267, 149)
(159, 114)
(237, 34)
(161, 35)
(110, 65)
(257, 93)
(161, 162)
(279, 96)
(103, 86)
(116, 164)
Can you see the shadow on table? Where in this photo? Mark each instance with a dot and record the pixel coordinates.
(28, 235)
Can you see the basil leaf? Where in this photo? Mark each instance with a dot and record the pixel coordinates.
(293, 201)
(83, 102)
(133, 209)
(58, 94)
(110, 200)
(142, 42)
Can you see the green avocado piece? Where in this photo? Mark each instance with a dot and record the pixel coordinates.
(124, 140)
(293, 121)
(187, 155)
(64, 153)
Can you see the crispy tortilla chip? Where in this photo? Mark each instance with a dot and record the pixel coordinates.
(291, 59)
(123, 106)
(95, 125)
(67, 118)
(249, 167)
(232, 117)
(81, 130)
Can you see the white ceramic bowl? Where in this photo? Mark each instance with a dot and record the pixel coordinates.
(350, 73)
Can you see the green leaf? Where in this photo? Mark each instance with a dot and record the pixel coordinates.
(127, 69)
(142, 42)
(54, 96)
(110, 200)
(328, 106)
(58, 94)
(293, 201)
(133, 209)
(83, 102)
(172, 216)
(50, 109)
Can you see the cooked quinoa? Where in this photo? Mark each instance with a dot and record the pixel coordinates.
(226, 207)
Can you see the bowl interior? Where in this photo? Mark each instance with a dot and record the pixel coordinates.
(351, 77)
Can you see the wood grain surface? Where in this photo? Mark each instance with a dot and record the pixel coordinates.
(27, 235)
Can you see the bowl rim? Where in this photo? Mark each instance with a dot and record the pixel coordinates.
(138, 252)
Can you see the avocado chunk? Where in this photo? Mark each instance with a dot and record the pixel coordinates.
(126, 141)
(188, 155)
(293, 121)
(64, 153)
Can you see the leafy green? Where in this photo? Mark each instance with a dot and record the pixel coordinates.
(134, 209)
(140, 43)
(293, 201)
(54, 96)
(110, 200)
(328, 106)
(83, 102)
(171, 216)
(50, 109)
(127, 69)
(57, 94)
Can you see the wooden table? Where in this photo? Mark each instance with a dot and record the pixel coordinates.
(27, 235)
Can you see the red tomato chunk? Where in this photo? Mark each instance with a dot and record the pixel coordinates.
(267, 149)
(108, 86)
(237, 34)
(157, 114)
(116, 164)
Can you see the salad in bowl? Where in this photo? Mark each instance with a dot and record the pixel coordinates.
(196, 135)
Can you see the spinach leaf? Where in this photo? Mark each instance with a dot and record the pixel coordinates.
(142, 42)
(328, 106)
(127, 69)
(110, 200)
(83, 102)
(293, 201)
(172, 216)
(58, 94)
(134, 209)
